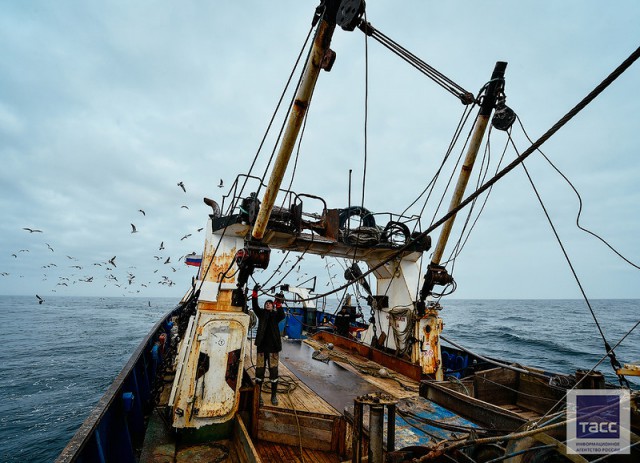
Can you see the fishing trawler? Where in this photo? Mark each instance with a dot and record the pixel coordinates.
(189, 392)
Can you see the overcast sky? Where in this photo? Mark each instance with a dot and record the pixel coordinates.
(106, 106)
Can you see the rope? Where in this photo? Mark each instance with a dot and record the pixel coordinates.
(579, 201)
(557, 126)
(464, 96)
(273, 116)
(563, 399)
(614, 362)
(494, 362)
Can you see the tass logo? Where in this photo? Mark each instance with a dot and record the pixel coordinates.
(598, 421)
(597, 417)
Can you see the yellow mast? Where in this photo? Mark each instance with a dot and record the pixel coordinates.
(428, 330)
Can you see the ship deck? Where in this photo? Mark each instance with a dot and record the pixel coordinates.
(313, 420)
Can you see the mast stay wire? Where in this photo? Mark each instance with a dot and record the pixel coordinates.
(462, 242)
(533, 148)
(271, 121)
(579, 202)
(234, 202)
(463, 95)
(615, 364)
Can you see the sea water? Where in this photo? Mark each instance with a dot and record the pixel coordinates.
(60, 357)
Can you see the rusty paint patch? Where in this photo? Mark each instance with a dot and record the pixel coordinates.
(220, 265)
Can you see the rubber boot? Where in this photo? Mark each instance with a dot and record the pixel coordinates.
(274, 391)
(273, 376)
(259, 381)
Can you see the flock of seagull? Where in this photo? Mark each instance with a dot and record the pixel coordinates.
(129, 283)
(60, 273)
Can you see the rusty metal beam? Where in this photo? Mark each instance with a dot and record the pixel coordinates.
(316, 61)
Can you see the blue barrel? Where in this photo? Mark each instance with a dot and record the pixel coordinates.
(294, 324)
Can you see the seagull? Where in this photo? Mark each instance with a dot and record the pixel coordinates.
(221, 184)
(168, 260)
(23, 250)
(161, 246)
(133, 229)
(200, 229)
(40, 300)
(112, 261)
(140, 210)
(32, 230)
(15, 255)
(49, 246)
(181, 185)
(157, 257)
(185, 237)
(184, 207)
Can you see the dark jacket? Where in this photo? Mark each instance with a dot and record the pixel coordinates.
(342, 321)
(268, 334)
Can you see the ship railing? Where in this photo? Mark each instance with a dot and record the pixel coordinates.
(115, 428)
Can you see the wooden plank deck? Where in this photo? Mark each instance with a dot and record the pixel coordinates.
(299, 398)
(270, 451)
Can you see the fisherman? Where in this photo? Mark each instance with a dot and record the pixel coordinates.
(268, 340)
(343, 319)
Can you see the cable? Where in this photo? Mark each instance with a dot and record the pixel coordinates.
(464, 96)
(273, 116)
(563, 399)
(579, 201)
(548, 134)
(614, 362)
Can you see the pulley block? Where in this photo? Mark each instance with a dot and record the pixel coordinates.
(349, 14)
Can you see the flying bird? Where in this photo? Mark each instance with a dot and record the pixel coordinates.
(161, 246)
(15, 255)
(112, 261)
(200, 229)
(32, 230)
(185, 237)
(168, 260)
(133, 229)
(49, 246)
(40, 300)
(181, 185)
(140, 210)
(184, 207)
(221, 184)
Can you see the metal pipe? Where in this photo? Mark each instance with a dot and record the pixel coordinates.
(357, 432)
(376, 425)
(391, 427)
(495, 85)
(296, 117)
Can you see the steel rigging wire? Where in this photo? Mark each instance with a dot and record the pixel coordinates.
(533, 148)
(464, 96)
(234, 202)
(615, 364)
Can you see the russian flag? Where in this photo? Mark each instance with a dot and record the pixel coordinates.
(194, 260)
